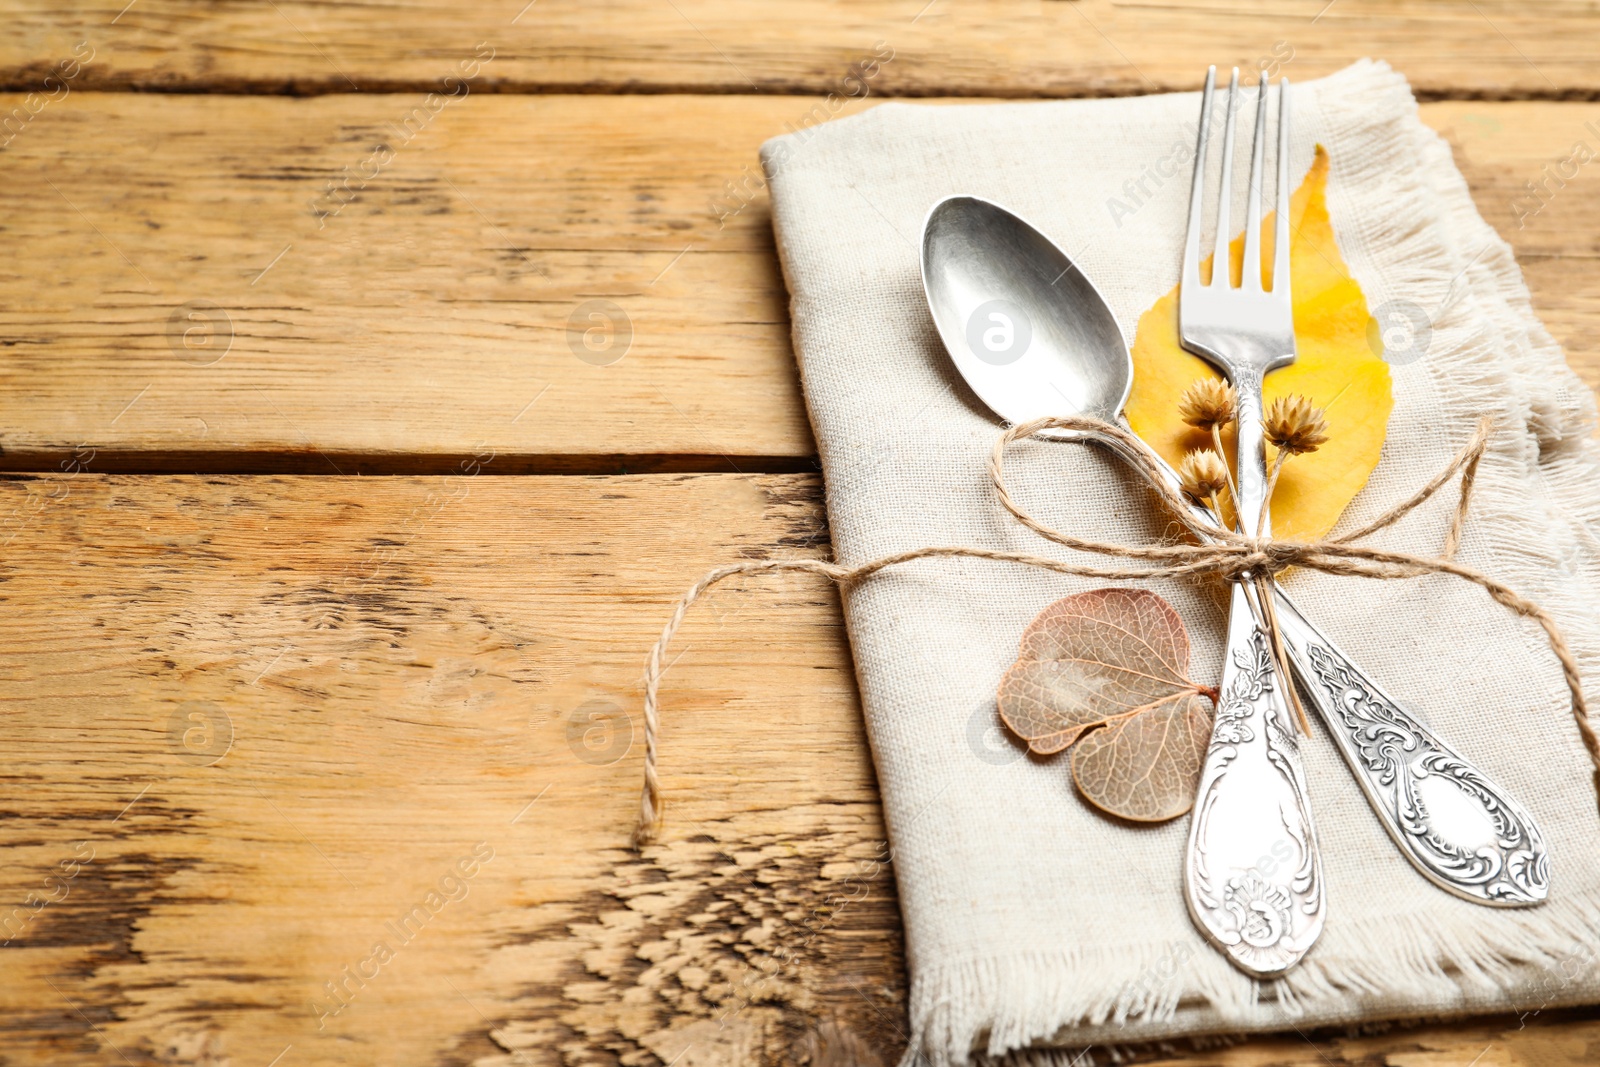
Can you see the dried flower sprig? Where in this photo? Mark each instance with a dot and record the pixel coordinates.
(1209, 404)
(1293, 426)
(1204, 474)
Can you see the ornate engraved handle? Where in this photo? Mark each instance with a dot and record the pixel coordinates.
(1456, 826)
(1253, 876)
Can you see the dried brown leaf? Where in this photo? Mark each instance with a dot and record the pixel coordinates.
(1146, 767)
(1108, 670)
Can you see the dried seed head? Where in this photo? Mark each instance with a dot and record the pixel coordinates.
(1208, 403)
(1294, 426)
(1203, 474)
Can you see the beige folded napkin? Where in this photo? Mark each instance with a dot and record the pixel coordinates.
(1031, 920)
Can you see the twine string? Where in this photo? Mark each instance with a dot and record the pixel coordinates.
(1217, 550)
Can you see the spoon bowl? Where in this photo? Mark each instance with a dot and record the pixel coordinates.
(1027, 330)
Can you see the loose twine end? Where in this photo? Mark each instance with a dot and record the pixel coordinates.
(1218, 551)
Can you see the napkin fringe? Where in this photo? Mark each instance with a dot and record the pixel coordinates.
(949, 1013)
(1412, 953)
(1557, 409)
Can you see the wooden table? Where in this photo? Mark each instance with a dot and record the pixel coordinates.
(332, 553)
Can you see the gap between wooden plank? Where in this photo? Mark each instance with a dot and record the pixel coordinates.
(11, 82)
(312, 462)
(1477, 49)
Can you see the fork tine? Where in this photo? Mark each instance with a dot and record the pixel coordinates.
(1221, 262)
(1191, 244)
(1280, 261)
(1250, 274)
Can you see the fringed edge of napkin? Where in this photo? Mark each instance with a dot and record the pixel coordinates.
(999, 1006)
(1493, 968)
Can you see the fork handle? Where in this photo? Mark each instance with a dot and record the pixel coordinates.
(1252, 874)
(1455, 825)
(1251, 472)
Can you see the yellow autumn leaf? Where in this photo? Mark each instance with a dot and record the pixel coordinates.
(1335, 367)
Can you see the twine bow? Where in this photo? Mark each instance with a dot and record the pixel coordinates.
(1219, 551)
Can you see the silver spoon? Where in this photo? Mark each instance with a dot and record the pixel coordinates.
(1033, 338)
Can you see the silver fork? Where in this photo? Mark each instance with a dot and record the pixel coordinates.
(1459, 828)
(1253, 875)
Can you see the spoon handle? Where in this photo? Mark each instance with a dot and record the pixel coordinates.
(1456, 826)
(1253, 874)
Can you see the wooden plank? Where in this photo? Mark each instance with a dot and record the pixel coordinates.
(1004, 47)
(284, 709)
(411, 330)
(254, 721)
(1554, 229)
(221, 301)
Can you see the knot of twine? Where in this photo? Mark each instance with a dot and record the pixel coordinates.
(1220, 551)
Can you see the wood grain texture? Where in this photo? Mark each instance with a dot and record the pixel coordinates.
(1004, 47)
(432, 315)
(438, 315)
(266, 717)
(254, 722)
(1554, 228)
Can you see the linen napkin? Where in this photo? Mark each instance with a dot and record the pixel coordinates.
(1032, 922)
